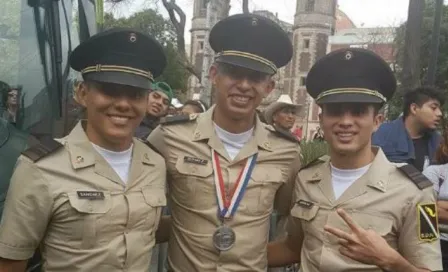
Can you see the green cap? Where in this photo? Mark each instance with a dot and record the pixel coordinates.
(164, 88)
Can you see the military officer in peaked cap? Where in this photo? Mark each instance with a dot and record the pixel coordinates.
(227, 170)
(92, 201)
(354, 210)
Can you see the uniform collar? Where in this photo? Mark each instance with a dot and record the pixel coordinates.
(376, 177)
(205, 131)
(83, 154)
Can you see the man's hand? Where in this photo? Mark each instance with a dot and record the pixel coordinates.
(362, 245)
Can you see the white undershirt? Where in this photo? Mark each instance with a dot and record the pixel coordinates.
(344, 178)
(119, 161)
(233, 143)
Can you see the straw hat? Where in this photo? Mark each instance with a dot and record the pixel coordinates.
(283, 101)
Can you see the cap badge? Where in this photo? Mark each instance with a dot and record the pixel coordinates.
(132, 37)
(348, 55)
(254, 21)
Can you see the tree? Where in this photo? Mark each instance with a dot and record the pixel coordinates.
(395, 105)
(151, 22)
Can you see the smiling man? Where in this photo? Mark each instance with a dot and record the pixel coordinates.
(227, 170)
(356, 211)
(159, 100)
(92, 200)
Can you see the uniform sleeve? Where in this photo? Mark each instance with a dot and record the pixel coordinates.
(283, 199)
(26, 214)
(411, 244)
(157, 139)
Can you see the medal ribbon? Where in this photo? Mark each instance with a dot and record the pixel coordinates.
(228, 203)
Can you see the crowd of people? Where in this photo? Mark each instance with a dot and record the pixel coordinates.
(94, 200)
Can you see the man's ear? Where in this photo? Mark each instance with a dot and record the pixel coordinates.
(413, 108)
(377, 121)
(213, 73)
(81, 94)
(270, 87)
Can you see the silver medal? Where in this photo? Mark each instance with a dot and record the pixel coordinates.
(223, 238)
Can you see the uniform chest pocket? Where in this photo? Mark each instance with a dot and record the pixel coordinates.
(88, 216)
(262, 189)
(193, 184)
(306, 216)
(155, 200)
(382, 225)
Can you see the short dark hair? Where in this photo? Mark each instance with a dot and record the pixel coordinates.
(420, 96)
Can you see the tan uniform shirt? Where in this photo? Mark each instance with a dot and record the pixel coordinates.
(383, 199)
(75, 207)
(187, 150)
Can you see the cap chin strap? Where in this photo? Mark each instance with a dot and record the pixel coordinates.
(117, 68)
(351, 91)
(248, 56)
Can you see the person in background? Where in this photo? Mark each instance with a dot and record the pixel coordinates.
(194, 106)
(354, 210)
(92, 201)
(282, 113)
(412, 138)
(11, 102)
(159, 100)
(438, 175)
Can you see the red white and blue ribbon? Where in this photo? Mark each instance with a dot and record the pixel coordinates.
(228, 202)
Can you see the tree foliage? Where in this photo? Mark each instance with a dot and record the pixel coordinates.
(150, 22)
(395, 105)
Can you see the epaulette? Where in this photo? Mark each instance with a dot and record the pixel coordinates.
(150, 145)
(317, 161)
(42, 149)
(415, 176)
(285, 134)
(177, 119)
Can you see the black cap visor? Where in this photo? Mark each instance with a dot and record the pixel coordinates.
(120, 78)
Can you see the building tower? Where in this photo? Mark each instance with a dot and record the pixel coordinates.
(206, 14)
(313, 24)
(198, 35)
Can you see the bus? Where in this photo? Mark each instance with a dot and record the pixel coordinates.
(36, 82)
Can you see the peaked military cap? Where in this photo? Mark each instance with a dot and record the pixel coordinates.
(351, 75)
(251, 41)
(120, 56)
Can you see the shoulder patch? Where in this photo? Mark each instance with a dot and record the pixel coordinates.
(146, 142)
(285, 134)
(42, 149)
(317, 161)
(415, 176)
(177, 119)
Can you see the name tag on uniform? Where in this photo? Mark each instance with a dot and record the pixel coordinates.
(92, 195)
(305, 204)
(195, 160)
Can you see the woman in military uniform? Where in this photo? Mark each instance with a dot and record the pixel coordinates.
(92, 200)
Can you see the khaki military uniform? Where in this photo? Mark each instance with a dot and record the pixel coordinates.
(187, 149)
(74, 206)
(384, 200)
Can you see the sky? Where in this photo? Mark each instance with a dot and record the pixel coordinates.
(364, 13)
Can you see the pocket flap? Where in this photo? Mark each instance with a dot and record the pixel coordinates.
(154, 197)
(380, 225)
(92, 206)
(267, 174)
(183, 166)
(304, 213)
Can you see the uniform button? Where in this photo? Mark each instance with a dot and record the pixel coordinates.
(197, 135)
(79, 159)
(267, 145)
(146, 156)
